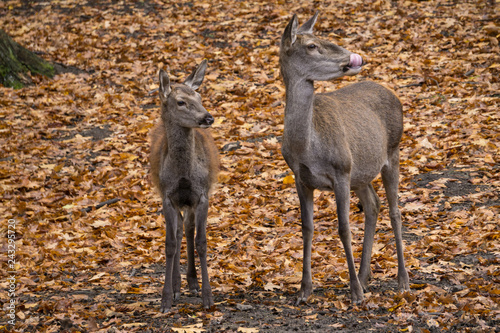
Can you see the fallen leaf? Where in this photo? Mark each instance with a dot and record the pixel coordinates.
(195, 328)
(247, 330)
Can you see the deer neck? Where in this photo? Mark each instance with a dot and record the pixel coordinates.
(298, 114)
(181, 147)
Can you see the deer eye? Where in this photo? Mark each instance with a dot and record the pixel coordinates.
(312, 46)
(181, 103)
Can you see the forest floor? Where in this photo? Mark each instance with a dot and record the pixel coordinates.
(88, 254)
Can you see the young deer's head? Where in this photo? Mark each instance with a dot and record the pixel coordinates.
(181, 104)
(305, 56)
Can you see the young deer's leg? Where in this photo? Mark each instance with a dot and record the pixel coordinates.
(171, 221)
(201, 247)
(390, 178)
(306, 199)
(176, 273)
(194, 287)
(342, 194)
(371, 206)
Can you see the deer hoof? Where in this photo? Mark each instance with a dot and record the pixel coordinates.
(165, 308)
(300, 300)
(208, 302)
(357, 301)
(364, 281)
(166, 301)
(356, 293)
(403, 281)
(364, 286)
(302, 297)
(194, 291)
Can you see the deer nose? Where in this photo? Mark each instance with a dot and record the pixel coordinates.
(207, 120)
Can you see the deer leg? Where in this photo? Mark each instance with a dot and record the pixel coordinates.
(171, 221)
(201, 247)
(390, 178)
(342, 194)
(306, 199)
(371, 206)
(194, 287)
(176, 272)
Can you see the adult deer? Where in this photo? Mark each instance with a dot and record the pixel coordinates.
(339, 141)
(184, 166)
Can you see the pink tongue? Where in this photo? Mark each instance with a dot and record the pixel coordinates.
(355, 60)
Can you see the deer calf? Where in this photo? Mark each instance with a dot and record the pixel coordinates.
(339, 141)
(184, 166)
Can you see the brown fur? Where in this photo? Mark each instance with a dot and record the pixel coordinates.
(184, 166)
(339, 141)
(205, 146)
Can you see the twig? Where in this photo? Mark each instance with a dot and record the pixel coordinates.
(101, 204)
(412, 85)
(469, 72)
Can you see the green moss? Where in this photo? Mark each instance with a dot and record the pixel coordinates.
(16, 84)
(8, 79)
(44, 68)
(16, 61)
(12, 56)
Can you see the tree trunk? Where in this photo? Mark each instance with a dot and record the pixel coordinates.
(16, 61)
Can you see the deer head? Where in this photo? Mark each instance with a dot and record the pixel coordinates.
(309, 57)
(181, 104)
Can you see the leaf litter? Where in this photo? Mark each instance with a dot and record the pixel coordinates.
(89, 229)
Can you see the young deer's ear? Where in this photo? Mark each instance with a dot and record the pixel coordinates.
(195, 79)
(164, 84)
(290, 33)
(307, 28)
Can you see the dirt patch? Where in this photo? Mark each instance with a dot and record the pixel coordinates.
(98, 133)
(256, 309)
(455, 183)
(62, 68)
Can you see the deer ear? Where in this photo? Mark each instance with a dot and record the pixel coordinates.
(195, 79)
(164, 84)
(290, 33)
(307, 28)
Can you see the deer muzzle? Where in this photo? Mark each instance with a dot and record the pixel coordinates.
(207, 121)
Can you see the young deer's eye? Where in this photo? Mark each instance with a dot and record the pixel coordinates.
(311, 46)
(181, 103)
